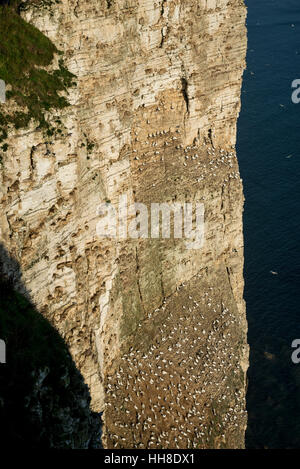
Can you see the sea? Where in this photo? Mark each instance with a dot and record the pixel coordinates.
(268, 148)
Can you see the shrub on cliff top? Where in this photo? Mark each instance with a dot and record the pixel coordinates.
(24, 54)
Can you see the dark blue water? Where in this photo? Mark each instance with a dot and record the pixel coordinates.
(269, 158)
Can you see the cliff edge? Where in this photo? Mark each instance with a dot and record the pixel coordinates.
(158, 330)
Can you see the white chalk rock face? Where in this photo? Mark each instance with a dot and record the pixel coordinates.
(157, 329)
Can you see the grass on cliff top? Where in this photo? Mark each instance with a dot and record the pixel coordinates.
(24, 52)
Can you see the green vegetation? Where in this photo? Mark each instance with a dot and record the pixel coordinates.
(24, 54)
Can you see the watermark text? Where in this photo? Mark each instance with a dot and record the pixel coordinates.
(163, 220)
(2, 92)
(2, 351)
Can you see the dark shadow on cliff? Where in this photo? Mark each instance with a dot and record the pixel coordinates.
(44, 402)
(12, 3)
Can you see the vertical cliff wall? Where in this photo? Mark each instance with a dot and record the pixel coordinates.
(157, 330)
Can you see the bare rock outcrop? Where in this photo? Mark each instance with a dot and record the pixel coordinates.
(157, 330)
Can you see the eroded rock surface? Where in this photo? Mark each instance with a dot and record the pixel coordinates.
(153, 117)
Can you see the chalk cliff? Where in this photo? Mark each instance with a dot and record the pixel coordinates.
(157, 330)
